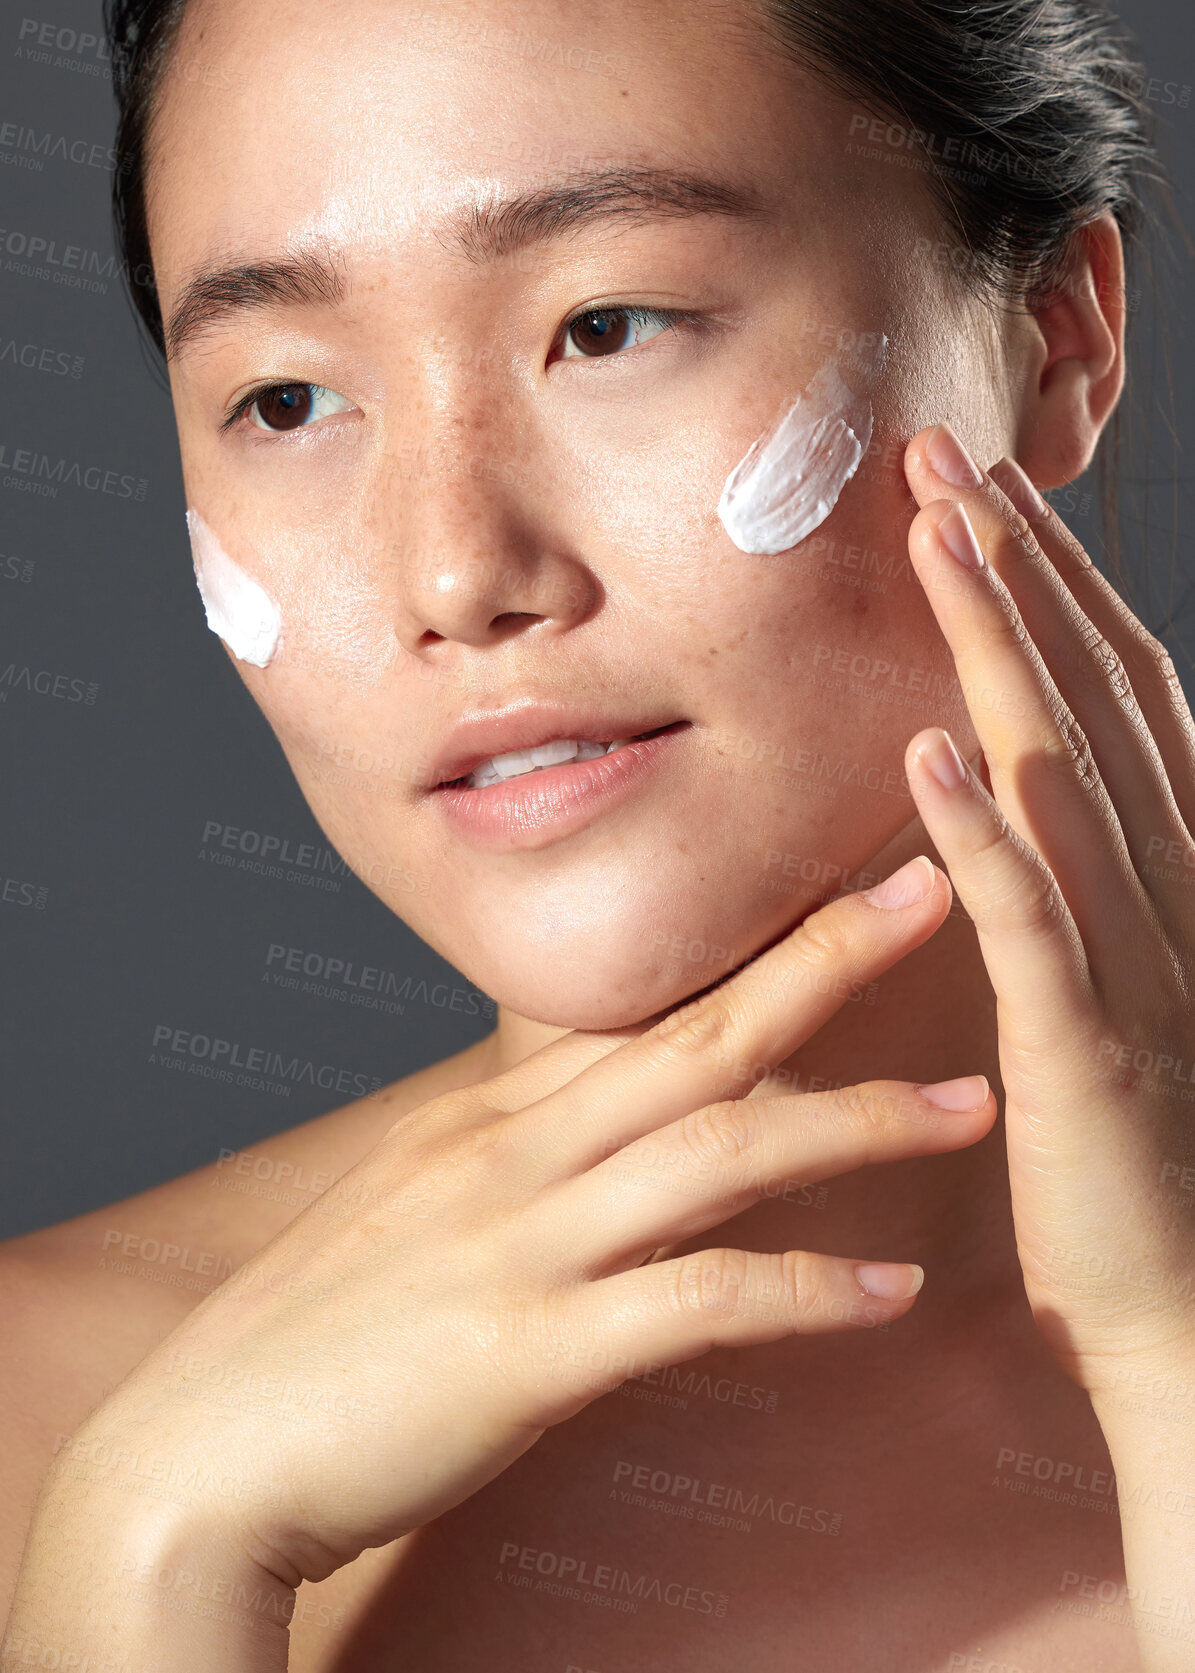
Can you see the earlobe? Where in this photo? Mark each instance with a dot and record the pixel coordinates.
(1077, 368)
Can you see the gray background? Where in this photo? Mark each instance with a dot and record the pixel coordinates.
(111, 925)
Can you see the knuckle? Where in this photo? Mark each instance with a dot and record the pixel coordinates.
(711, 1281)
(1015, 887)
(986, 846)
(698, 1027)
(1100, 664)
(721, 1133)
(1007, 632)
(1013, 541)
(1158, 662)
(1066, 751)
(801, 1283)
(823, 939)
(871, 1107)
(486, 1148)
(443, 1115)
(1036, 906)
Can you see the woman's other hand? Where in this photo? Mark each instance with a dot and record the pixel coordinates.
(486, 1270)
(1078, 870)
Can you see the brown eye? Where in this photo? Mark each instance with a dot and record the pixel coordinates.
(600, 333)
(609, 330)
(285, 408)
(292, 406)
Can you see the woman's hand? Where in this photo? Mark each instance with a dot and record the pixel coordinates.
(484, 1272)
(1079, 873)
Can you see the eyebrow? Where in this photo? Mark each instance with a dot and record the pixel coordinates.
(481, 232)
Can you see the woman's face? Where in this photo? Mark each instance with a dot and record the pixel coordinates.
(491, 531)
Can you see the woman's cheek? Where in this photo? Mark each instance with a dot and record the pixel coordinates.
(295, 597)
(238, 608)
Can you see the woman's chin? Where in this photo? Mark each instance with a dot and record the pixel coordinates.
(579, 1002)
(615, 968)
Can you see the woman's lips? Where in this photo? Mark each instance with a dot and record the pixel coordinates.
(539, 807)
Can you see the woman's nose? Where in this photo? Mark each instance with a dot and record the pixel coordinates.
(482, 548)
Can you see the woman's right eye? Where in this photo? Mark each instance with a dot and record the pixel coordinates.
(291, 406)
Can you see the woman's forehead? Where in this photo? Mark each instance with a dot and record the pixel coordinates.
(271, 124)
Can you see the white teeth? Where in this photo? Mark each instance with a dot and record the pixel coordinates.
(550, 755)
(516, 762)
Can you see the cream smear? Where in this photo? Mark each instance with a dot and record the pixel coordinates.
(788, 482)
(242, 613)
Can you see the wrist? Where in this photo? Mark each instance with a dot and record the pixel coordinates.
(124, 1570)
(1155, 1399)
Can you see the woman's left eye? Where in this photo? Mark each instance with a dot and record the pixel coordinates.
(603, 331)
(290, 406)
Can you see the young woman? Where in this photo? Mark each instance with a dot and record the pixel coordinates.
(551, 378)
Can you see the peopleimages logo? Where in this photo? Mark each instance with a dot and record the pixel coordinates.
(562, 1574)
(265, 854)
(58, 38)
(35, 145)
(44, 683)
(37, 358)
(327, 977)
(254, 1066)
(713, 1502)
(34, 256)
(39, 474)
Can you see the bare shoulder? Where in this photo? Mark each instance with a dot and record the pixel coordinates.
(82, 1302)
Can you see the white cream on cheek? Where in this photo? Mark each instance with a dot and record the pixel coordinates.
(237, 608)
(788, 482)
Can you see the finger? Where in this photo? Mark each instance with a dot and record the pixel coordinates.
(718, 1160)
(1043, 773)
(1083, 668)
(1147, 663)
(672, 1311)
(1104, 662)
(712, 1047)
(1027, 935)
(550, 1067)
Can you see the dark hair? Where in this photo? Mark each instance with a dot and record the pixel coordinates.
(1028, 118)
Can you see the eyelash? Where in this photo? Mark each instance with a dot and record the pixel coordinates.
(673, 319)
(244, 402)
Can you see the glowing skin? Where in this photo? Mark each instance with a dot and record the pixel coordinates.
(241, 612)
(510, 526)
(788, 482)
(486, 520)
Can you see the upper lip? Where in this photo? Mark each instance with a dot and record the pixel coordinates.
(479, 737)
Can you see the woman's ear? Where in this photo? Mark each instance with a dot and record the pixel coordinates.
(1076, 360)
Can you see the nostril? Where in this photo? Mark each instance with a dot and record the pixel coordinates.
(509, 622)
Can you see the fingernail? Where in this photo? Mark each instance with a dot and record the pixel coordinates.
(890, 1281)
(911, 883)
(1012, 481)
(958, 537)
(950, 458)
(968, 1092)
(944, 762)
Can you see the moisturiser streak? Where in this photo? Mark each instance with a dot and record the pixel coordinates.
(241, 612)
(788, 482)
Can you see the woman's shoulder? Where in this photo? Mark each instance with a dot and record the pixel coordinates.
(83, 1301)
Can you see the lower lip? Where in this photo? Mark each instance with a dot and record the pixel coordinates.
(540, 807)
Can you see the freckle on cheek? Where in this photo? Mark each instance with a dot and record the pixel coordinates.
(788, 482)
